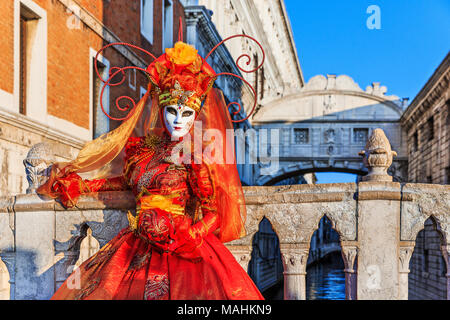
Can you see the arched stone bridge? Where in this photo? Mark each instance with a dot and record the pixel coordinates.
(324, 125)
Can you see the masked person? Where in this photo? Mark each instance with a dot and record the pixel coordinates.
(186, 207)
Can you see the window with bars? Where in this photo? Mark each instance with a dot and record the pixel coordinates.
(301, 136)
(360, 135)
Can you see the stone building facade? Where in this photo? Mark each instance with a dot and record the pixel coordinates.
(49, 91)
(427, 278)
(427, 126)
(426, 123)
(209, 22)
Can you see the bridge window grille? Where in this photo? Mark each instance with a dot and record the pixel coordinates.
(360, 135)
(301, 136)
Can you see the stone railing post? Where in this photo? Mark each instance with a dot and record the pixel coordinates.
(406, 251)
(378, 223)
(242, 254)
(37, 165)
(294, 258)
(349, 253)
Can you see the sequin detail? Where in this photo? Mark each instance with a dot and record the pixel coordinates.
(145, 179)
(91, 286)
(100, 257)
(156, 287)
(156, 226)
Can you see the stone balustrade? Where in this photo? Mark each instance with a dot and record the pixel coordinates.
(377, 223)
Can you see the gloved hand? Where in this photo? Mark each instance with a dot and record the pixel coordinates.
(157, 227)
(69, 189)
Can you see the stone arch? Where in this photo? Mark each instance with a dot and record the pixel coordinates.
(86, 245)
(286, 172)
(341, 221)
(325, 263)
(265, 266)
(5, 287)
(428, 263)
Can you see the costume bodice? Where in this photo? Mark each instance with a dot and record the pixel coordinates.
(150, 170)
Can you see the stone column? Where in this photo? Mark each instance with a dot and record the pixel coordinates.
(242, 254)
(349, 253)
(378, 223)
(406, 251)
(294, 258)
(446, 253)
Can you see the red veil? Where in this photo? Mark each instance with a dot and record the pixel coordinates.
(103, 157)
(212, 139)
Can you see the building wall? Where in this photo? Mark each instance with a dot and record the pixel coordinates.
(427, 124)
(62, 104)
(268, 23)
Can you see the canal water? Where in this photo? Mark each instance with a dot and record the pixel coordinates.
(326, 280)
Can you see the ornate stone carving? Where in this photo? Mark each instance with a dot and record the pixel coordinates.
(422, 204)
(242, 254)
(377, 157)
(37, 165)
(329, 136)
(348, 255)
(294, 260)
(404, 257)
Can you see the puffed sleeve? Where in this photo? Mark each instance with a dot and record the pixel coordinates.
(70, 187)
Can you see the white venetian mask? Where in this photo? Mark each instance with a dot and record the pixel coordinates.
(178, 119)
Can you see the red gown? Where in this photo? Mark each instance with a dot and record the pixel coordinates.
(167, 252)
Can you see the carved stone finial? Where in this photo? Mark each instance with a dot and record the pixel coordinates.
(378, 157)
(37, 165)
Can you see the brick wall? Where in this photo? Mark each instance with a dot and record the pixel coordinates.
(427, 278)
(68, 75)
(7, 46)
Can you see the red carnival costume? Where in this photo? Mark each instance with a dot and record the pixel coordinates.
(173, 248)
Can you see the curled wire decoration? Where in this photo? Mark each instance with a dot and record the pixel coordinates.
(237, 103)
(127, 107)
(249, 59)
(112, 74)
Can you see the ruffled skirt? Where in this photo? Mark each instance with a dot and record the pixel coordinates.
(129, 268)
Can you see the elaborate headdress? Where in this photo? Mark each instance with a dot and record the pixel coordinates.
(179, 76)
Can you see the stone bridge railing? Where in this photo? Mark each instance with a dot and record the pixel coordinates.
(377, 223)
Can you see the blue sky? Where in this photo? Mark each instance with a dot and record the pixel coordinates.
(332, 37)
